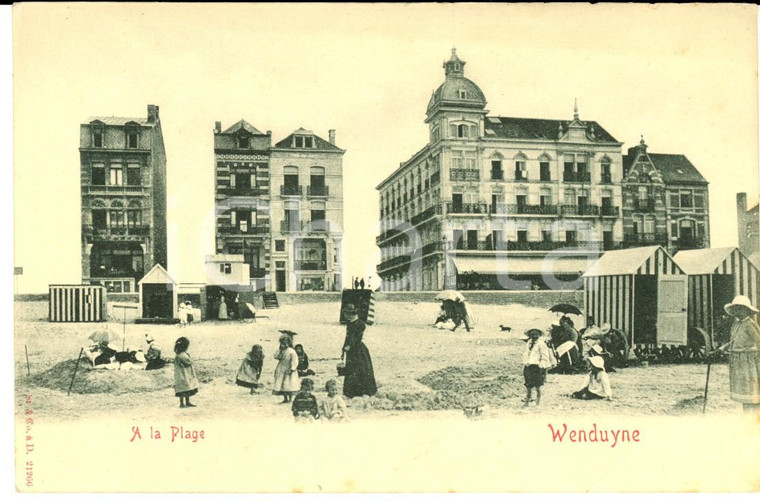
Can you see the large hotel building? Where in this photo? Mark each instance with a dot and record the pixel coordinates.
(496, 202)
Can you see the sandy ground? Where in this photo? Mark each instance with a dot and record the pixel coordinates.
(483, 366)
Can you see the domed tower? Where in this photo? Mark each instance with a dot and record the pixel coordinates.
(457, 108)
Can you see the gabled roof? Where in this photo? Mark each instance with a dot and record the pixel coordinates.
(157, 275)
(675, 169)
(242, 124)
(538, 128)
(702, 261)
(651, 260)
(119, 121)
(319, 143)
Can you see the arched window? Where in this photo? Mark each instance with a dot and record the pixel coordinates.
(545, 167)
(521, 169)
(116, 214)
(606, 169)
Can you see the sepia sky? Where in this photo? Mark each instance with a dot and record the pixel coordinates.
(684, 76)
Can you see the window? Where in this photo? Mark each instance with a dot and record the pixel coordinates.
(304, 142)
(496, 172)
(133, 174)
(569, 197)
(462, 131)
(116, 218)
(699, 200)
(472, 239)
(606, 171)
(545, 172)
(571, 237)
(686, 200)
(649, 225)
(462, 94)
(298, 142)
(643, 192)
(134, 218)
(132, 138)
(309, 142)
(674, 229)
(99, 219)
(521, 172)
(545, 197)
(98, 174)
(279, 245)
(317, 215)
(458, 239)
(546, 235)
(522, 200)
(675, 201)
(522, 235)
(97, 136)
(116, 175)
(225, 268)
(241, 180)
(243, 142)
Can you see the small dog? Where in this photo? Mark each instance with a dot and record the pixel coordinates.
(504, 328)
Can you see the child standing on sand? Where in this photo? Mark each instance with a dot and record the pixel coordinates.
(286, 379)
(536, 361)
(185, 381)
(250, 370)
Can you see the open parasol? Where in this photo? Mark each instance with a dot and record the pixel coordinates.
(566, 309)
(105, 335)
(450, 296)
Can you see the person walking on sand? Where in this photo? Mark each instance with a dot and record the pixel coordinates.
(536, 361)
(744, 355)
(286, 380)
(250, 370)
(359, 374)
(185, 381)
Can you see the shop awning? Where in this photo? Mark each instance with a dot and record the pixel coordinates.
(523, 265)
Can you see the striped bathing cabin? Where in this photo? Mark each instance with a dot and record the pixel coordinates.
(715, 277)
(76, 303)
(363, 299)
(641, 292)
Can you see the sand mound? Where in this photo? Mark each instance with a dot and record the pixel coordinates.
(89, 380)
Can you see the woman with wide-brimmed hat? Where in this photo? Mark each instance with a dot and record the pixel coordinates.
(744, 354)
(359, 374)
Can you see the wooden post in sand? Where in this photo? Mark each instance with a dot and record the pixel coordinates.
(28, 371)
(81, 350)
(707, 382)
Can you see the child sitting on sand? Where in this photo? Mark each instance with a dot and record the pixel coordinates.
(305, 404)
(598, 385)
(333, 408)
(303, 362)
(536, 360)
(250, 370)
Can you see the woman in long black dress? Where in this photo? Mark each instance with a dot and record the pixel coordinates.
(359, 375)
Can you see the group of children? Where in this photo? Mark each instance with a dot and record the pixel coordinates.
(538, 358)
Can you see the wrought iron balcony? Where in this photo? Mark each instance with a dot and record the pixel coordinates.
(637, 239)
(576, 177)
(580, 210)
(476, 208)
(521, 175)
(645, 205)
(464, 175)
(250, 230)
(532, 209)
(317, 191)
(291, 190)
(290, 226)
(237, 191)
(311, 265)
(610, 210)
(396, 262)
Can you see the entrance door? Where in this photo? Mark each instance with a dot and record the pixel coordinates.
(723, 292)
(672, 298)
(158, 301)
(280, 280)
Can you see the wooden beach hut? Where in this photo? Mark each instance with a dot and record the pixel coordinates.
(715, 277)
(158, 294)
(640, 291)
(76, 303)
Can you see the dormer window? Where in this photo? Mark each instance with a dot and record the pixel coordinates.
(303, 141)
(457, 67)
(462, 93)
(97, 136)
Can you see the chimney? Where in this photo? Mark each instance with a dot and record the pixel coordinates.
(217, 127)
(331, 135)
(269, 133)
(152, 113)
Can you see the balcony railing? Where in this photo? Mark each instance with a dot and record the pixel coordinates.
(497, 175)
(433, 247)
(311, 265)
(646, 205)
(580, 210)
(591, 246)
(318, 191)
(237, 191)
(464, 175)
(576, 177)
(291, 190)
(426, 214)
(532, 209)
(610, 210)
(477, 208)
(395, 262)
(125, 189)
(634, 239)
(236, 230)
(319, 226)
(115, 231)
(521, 175)
(290, 226)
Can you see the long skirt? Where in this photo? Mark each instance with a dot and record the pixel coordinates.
(744, 376)
(360, 376)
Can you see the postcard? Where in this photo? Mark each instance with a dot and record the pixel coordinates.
(328, 248)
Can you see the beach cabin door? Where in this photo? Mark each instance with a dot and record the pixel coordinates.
(672, 298)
